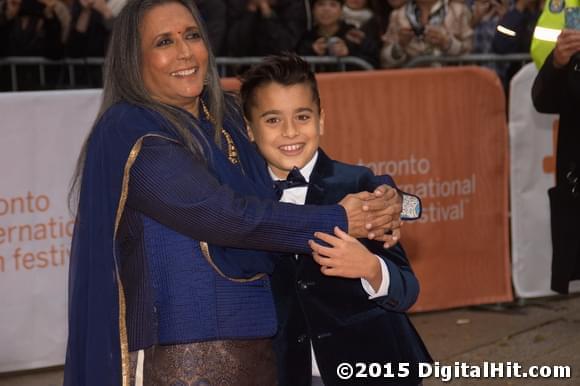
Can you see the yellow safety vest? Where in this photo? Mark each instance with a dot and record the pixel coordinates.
(549, 26)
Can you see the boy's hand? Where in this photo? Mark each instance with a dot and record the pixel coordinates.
(346, 257)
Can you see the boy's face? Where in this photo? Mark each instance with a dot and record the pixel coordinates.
(327, 12)
(286, 125)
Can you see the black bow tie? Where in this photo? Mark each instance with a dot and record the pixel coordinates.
(295, 179)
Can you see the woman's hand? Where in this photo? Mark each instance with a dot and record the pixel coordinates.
(394, 207)
(405, 36)
(437, 36)
(346, 257)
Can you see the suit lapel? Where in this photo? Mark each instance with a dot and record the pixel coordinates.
(317, 186)
(316, 189)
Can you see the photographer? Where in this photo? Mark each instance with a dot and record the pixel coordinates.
(331, 36)
(33, 28)
(486, 15)
(91, 25)
(556, 90)
(427, 27)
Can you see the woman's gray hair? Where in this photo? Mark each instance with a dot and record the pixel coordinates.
(123, 82)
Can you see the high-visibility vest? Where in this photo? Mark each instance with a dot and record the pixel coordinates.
(549, 26)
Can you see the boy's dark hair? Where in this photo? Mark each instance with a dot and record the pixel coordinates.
(286, 69)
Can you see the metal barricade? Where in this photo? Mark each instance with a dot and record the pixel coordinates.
(71, 65)
(340, 64)
(478, 59)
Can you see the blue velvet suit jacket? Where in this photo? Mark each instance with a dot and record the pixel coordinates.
(335, 314)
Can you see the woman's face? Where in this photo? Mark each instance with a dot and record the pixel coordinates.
(327, 12)
(174, 56)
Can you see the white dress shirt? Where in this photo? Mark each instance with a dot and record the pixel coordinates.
(298, 196)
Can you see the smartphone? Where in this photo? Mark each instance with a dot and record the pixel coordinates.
(572, 18)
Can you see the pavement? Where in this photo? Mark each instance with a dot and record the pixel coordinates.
(534, 332)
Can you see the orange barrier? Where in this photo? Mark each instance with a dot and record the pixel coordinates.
(442, 134)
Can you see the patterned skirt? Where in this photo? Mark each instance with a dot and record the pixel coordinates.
(214, 363)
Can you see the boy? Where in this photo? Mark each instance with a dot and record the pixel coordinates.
(347, 301)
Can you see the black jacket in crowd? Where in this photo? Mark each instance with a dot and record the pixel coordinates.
(557, 91)
(251, 34)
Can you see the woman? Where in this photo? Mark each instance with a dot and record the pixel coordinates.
(154, 263)
(427, 27)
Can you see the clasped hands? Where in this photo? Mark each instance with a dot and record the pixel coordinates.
(375, 215)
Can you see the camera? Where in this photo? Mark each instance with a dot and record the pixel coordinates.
(330, 43)
(418, 30)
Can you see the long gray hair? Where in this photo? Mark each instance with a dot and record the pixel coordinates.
(123, 82)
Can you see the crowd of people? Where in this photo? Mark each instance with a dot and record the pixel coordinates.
(385, 33)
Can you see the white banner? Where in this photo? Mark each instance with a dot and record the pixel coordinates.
(41, 137)
(532, 153)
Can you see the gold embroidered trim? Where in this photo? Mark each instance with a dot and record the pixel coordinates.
(124, 340)
(232, 150)
(205, 250)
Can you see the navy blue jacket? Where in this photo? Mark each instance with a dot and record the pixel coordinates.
(334, 313)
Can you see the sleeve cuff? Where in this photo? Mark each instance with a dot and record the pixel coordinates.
(384, 288)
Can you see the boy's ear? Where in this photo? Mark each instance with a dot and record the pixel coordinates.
(321, 122)
(249, 130)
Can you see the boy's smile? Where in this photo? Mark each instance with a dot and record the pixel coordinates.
(286, 125)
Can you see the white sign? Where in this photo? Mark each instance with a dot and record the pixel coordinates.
(42, 133)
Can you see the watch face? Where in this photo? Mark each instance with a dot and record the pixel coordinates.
(411, 207)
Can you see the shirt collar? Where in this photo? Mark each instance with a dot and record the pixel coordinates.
(306, 170)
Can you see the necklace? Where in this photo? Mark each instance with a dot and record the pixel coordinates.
(232, 151)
